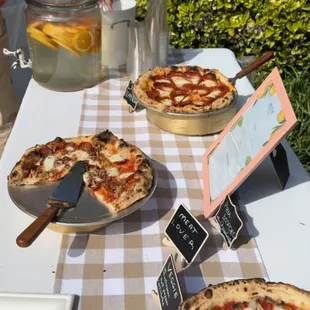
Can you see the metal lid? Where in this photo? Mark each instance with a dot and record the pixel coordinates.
(63, 3)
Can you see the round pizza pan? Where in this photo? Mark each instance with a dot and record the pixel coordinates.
(192, 124)
(88, 215)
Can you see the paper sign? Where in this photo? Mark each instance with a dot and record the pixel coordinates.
(229, 221)
(246, 141)
(130, 98)
(169, 291)
(186, 233)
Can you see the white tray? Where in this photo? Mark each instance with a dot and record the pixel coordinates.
(16, 301)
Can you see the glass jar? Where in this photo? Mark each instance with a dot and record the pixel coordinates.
(64, 38)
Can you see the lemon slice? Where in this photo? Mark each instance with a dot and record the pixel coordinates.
(36, 31)
(35, 24)
(71, 50)
(71, 30)
(83, 41)
(44, 40)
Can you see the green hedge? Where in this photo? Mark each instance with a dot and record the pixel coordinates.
(247, 27)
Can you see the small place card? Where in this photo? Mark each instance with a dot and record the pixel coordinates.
(168, 287)
(254, 132)
(130, 98)
(229, 221)
(186, 233)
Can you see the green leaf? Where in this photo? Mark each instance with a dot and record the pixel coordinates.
(240, 121)
(269, 32)
(248, 160)
(231, 32)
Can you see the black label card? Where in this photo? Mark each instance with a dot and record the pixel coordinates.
(130, 98)
(229, 221)
(169, 291)
(186, 233)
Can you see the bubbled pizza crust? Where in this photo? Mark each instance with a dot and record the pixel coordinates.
(144, 83)
(244, 291)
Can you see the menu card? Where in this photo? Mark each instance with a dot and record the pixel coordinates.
(246, 141)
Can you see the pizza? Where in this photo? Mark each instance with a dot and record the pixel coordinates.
(118, 173)
(252, 294)
(184, 89)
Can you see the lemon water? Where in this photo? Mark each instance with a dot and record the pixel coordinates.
(62, 70)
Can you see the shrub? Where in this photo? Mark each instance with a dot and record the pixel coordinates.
(247, 27)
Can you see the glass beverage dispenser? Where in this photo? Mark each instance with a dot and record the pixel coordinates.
(64, 38)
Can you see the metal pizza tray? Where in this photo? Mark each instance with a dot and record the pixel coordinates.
(192, 124)
(88, 215)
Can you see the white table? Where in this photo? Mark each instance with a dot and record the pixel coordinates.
(277, 215)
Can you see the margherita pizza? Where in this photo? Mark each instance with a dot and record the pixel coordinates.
(184, 89)
(252, 294)
(118, 173)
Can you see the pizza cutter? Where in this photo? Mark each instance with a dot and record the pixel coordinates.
(66, 195)
(252, 66)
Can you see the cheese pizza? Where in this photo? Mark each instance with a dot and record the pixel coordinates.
(184, 89)
(118, 173)
(251, 294)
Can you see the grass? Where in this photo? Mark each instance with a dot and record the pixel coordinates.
(297, 85)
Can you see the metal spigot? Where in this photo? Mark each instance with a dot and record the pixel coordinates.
(20, 59)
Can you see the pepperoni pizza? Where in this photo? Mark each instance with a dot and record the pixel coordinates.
(118, 173)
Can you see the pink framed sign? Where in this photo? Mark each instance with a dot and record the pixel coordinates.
(259, 126)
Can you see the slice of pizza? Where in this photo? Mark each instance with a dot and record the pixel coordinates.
(184, 89)
(250, 294)
(118, 173)
(125, 176)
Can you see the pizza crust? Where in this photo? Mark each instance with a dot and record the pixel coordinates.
(144, 82)
(245, 291)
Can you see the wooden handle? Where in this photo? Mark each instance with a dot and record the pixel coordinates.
(254, 65)
(31, 233)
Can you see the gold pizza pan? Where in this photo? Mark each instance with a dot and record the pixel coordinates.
(89, 214)
(195, 124)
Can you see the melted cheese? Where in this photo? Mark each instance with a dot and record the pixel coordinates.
(69, 148)
(214, 94)
(120, 156)
(86, 178)
(208, 83)
(166, 102)
(179, 98)
(163, 81)
(126, 175)
(82, 155)
(179, 81)
(164, 92)
(49, 163)
(112, 172)
(194, 79)
(201, 91)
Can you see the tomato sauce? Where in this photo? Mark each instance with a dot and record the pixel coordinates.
(267, 305)
(186, 89)
(231, 306)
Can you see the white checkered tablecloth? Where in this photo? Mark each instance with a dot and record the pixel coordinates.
(117, 267)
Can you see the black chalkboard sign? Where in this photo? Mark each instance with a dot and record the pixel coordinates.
(229, 221)
(168, 287)
(130, 98)
(186, 233)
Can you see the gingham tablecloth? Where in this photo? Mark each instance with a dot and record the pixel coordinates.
(117, 267)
